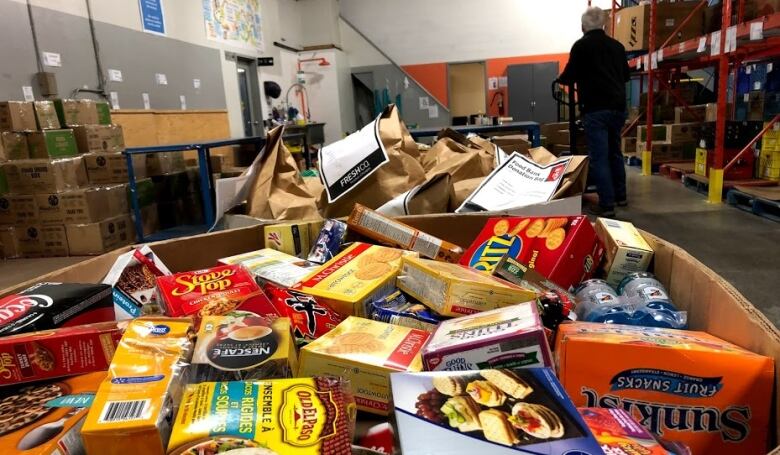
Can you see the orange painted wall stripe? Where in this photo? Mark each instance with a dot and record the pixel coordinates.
(432, 76)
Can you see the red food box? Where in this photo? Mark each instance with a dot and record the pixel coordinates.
(58, 352)
(564, 249)
(310, 318)
(215, 291)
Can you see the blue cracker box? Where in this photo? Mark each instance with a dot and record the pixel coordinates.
(502, 412)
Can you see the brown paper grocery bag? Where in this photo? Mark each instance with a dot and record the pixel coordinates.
(401, 173)
(574, 180)
(278, 191)
(433, 196)
(461, 190)
(447, 155)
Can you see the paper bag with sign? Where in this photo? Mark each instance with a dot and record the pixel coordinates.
(458, 156)
(433, 196)
(460, 191)
(575, 178)
(278, 192)
(370, 166)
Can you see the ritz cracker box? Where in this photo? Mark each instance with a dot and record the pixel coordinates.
(564, 249)
(681, 385)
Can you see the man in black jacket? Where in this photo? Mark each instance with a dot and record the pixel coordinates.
(598, 65)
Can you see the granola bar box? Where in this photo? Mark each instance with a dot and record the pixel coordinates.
(133, 278)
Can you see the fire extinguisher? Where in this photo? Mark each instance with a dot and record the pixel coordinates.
(499, 96)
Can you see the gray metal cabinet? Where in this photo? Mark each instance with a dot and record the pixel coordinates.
(529, 92)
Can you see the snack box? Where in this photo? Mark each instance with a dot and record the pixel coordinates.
(400, 309)
(619, 434)
(684, 386)
(135, 406)
(282, 416)
(60, 352)
(365, 352)
(328, 241)
(211, 292)
(455, 290)
(133, 278)
(357, 276)
(511, 337)
(291, 238)
(493, 411)
(388, 231)
(59, 406)
(242, 347)
(310, 317)
(272, 265)
(45, 306)
(625, 248)
(563, 249)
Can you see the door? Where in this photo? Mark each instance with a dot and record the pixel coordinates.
(530, 92)
(362, 87)
(467, 87)
(249, 92)
(544, 105)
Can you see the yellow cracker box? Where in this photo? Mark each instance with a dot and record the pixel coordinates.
(298, 416)
(134, 407)
(455, 290)
(355, 277)
(365, 352)
(626, 250)
(291, 238)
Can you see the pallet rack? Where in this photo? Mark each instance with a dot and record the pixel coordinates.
(727, 49)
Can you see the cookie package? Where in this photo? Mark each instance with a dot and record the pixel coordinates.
(365, 352)
(269, 417)
(328, 242)
(272, 265)
(133, 278)
(496, 411)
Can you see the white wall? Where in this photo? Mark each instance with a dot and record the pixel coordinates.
(320, 22)
(360, 52)
(414, 31)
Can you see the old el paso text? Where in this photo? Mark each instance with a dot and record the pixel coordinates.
(731, 422)
(205, 283)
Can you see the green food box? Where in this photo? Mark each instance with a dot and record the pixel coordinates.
(52, 144)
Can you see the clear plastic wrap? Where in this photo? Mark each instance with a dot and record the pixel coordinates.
(42, 176)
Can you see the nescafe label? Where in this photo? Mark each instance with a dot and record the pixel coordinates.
(242, 347)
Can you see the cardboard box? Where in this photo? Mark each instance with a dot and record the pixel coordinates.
(52, 144)
(13, 146)
(512, 143)
(625, 249)
(164, 163)
(45, 176)
(17, 116)
(36, 240)
(18, 209)
(85, 205)
(103, 113)
(687, 386)
(112, 167)
(289, 238)
(632, 24)
(76, 112)
(628, 145)
(755, 107)
(9, 243)
(97, 238)
(100, 138)
(696, 113)
(46, 115)
(365, 352)
(675, 133)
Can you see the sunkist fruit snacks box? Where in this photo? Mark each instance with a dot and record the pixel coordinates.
(681, 385)
(563, 249)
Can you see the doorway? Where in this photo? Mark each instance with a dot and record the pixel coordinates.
(362, 87)
(249, 92)
(467, 88)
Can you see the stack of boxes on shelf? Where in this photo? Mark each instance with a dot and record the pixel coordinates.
(632, 24)
(63, 180)
(769, 159)
(737, 136)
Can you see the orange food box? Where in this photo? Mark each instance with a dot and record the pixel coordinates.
(681, 385)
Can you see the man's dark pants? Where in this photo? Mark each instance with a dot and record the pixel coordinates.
(607, 171)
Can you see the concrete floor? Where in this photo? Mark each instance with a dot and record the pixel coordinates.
(741, 247)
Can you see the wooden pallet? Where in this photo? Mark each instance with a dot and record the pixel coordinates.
(762, 207)
(635, 161)
(701, 184)
(676, 170)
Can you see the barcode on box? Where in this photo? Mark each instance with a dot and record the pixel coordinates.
(123, 411)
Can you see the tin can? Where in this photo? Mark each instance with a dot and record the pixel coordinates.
(595, 292)
(645, 286)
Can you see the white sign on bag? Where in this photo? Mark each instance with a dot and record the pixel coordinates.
(516, 183)
(399, 205)
(346, 163)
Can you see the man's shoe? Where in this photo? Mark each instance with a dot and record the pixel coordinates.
(597, 210)
(623, 203)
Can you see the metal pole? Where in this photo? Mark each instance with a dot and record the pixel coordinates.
(139, 225)
(715, 194)
(647, 155)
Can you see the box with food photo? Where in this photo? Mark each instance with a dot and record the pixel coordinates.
(504, 411)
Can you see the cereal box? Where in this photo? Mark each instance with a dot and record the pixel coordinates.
(135, 405)
(492, 411)
(365, 352)
(455, 290)
(625, 248)
(511, 337)
(298, 416)
(59, 352)
(356, 277)
(215, 291)
(272, 265)
(681, 385)
(46, 418)
(619, 434)
(243, 347)
(563, 249)
(310, 317)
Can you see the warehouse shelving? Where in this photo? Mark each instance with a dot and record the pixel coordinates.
(727, 48)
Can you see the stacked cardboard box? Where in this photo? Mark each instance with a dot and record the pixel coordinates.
(53, 205)
(632, 24)
(557, 139)
(675, 142)
(769, 158)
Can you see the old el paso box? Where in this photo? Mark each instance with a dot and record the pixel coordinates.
(681, 385)
(212, 292)
(564, 249)
(46, 418)
(60, 352)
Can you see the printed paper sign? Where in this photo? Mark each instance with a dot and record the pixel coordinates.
(492, 83)
(731, 39)
(114, 100)
(424, 102)
(183, 102)
(52, 59)
(433, 111)
(715, 43)
(196, 83)
(152, 17)
(27, 91)
(346, 163)
(756, 30)
(503, 81)
(114, 75)
(702, 44)
(161, 79)
(516, 183)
